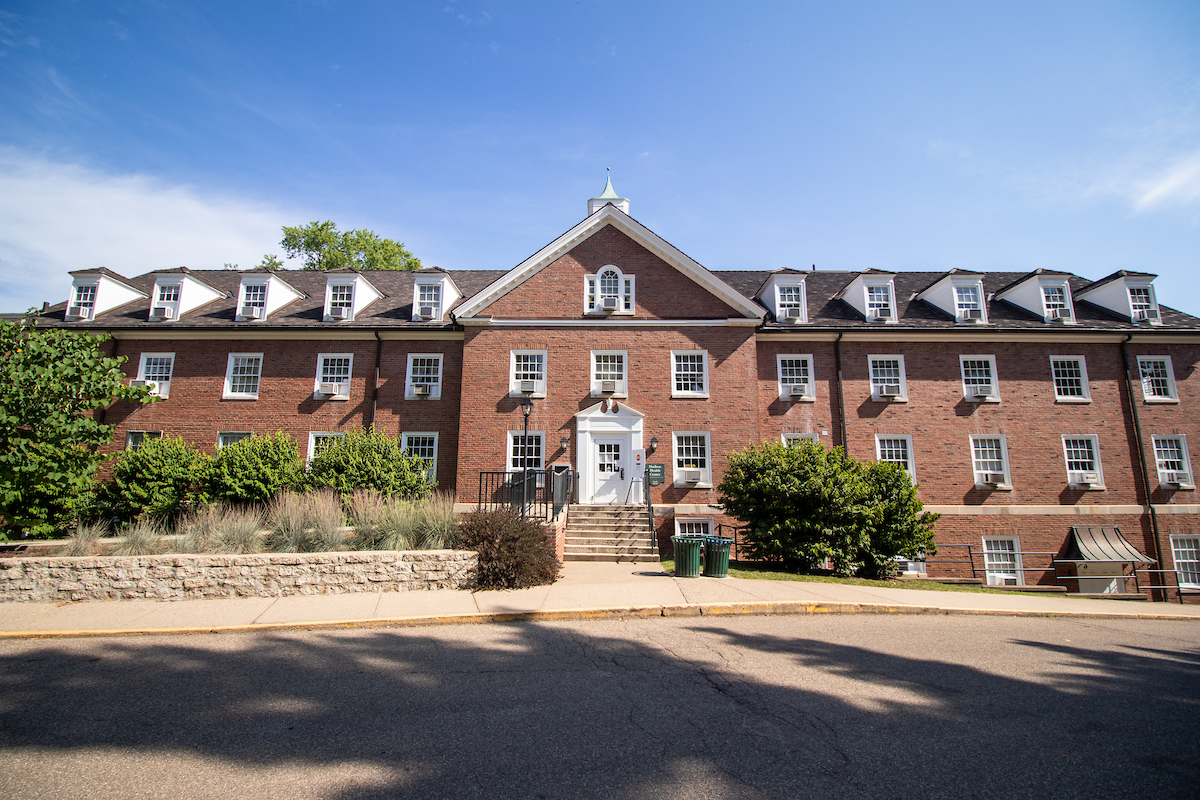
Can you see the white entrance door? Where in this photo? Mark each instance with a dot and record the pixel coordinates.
(611, 455)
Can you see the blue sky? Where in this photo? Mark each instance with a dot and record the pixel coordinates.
(916, 135)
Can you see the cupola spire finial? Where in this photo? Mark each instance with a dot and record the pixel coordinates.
(608, 196)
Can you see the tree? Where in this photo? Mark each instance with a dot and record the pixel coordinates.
(803, 505)
(322, 246)
(369, 460)
(51, 384)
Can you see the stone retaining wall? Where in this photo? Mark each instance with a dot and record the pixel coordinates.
(193, 577)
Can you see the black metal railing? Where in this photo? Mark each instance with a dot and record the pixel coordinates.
(540, 493)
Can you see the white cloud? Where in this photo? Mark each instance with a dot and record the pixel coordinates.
(1176, 184)
(57, 217)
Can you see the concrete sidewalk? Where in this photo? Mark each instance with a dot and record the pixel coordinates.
(586, 589)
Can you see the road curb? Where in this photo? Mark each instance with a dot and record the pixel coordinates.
(763, 608)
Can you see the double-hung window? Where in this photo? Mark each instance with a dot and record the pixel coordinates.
(791, 303)
(84, 305)
(134, 439)
(1083, 461)
(526, 451)
(896, 449)
(226, 438)
(242, 375)
(155, 369)
(423, 447)
(1141, 304)
(879, 302)
(253, 304)
(609, 376)
(1185, 550)
(1173, 462)
(333, 376)
(693, 466)
(796, 378)
(888, 383)
(424, 376)
(1055, 303)
(429, 300)
(1070, 379)
(168, 299)
(989, 460)
(527, 373)
(320, 441)
(968, 303)
(341, 301)
(609, 291)
(689, 373)
(1002, 561)
(1158, 379)
(979, 378)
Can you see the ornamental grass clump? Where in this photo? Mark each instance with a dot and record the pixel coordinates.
(437, 527)
(142, 538)
(86, 540)
(221, 529)
(311, 523)
(514, 552)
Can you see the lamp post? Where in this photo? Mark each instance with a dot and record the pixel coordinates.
(526, 408)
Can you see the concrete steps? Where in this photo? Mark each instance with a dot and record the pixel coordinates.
(609, 533)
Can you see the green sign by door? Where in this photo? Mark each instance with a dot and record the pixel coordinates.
(656, 474)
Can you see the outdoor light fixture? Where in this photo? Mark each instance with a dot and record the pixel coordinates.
(653, 443)
(564, 442)
(526, 407)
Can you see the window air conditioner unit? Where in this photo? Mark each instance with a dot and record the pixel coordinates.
(889, 390)
(883, 313)
(339, 312)
(608, 304)
(993, 478)
(983, 391)
(791, 314)
(1177, 478)
(691, 476)
(143, 384)
(162, 312)
(527, 387)
(973, 315)
(329, 389)
(421, 390)
(1146, 315)
(798, 390)
(427, 312)
(1089, 479)
(1060, 313)
(78, 312)
(251, 312)
(608, 387)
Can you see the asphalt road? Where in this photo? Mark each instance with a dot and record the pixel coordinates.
(741, 707)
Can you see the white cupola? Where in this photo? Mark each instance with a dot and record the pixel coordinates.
(608, 197)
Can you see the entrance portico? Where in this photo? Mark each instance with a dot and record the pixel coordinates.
(608, 434)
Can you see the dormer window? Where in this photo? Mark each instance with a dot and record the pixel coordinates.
(341, 302)
(609, 292)
(879, 302)
(1142, 306)
(166, 302)
(84, 304)
(253, 304)
(791, 303)
(1056, 304)
(429, 300)
(968, 303)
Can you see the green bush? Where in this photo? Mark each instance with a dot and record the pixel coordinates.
(162, 478)
(514, 552)
(803, 505)
(369, 460)
(255, 469)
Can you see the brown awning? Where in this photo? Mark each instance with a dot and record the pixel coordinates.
(1102, 544)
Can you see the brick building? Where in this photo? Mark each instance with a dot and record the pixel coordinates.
(1037, 411)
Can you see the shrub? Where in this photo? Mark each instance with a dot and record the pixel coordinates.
(255, 469)
(86, 540)
(300, 523)
(162, 478)
(514, 552)
(142, 538)
(803, 505)
(369, 460)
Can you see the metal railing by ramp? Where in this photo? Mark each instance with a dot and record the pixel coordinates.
(540, 493)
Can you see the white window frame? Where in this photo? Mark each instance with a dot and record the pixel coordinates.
(675, 391)
(161, 388)
(329, 287)
(802, 304)
(243, 301)
(1016, 561)
(1185, 458)
(140, 436)
(158, 302)
(1154, 307)
(910, 464)
(1066, 290)
(94, 286)
(344, 394)
(514, 385)
(229, 394)
(510, 458)
(435, 389)
(967, 392)
(1193, 544)
(891, 293)
(1172, 395)
(707, 521)
(785, 389)
(705, 481)
(788, 438)
(438, 307)
(1005, 470)
(405, 439)
(622, 382)
(1075, 477)
(626, 292)
(960, 311)
(314, 436)
(903, 397)
(221, 443)
(1087, 388)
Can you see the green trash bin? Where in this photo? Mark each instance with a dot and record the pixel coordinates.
(687, 556)
(716, 556)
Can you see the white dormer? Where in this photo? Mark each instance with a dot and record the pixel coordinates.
(959, 294)
(433, 294)
(785, 294)
(1046, 294)
(609, 291)
(1130, 294)
(872, 294)
(177, 293)
(346, 295)
(607, 197)
(261, 294)
(95, 291)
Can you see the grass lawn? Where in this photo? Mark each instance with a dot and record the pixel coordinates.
(754, 571)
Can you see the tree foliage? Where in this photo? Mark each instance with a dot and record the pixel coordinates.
(322, 246)
(803, 505)
(255, 469)
(162, 478)
(369, 460)
(52, 383)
